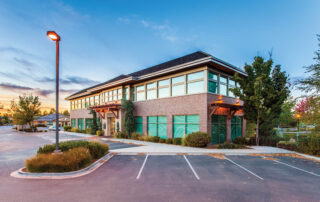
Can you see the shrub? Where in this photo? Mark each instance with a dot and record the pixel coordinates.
(123, 135)
(66, 128)
(155, 139)
(198, 139)
(169, 141)
(100, 132)
(96, 149)
(162, 140)
(41, 125)
(74, 130)
(310, 144)
(239, 140)
(177, 141)
(251, 140)
(142, 138)
(148, 138)
(88, 131)
(74, 159)
(271, 140)
(287, 145)
(228, 145)
(135, 136)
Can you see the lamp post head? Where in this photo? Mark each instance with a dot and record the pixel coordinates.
(298, 116)
(53, 35)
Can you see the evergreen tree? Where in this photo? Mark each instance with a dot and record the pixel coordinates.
(129, 120)
(94, 126)
(263, 92)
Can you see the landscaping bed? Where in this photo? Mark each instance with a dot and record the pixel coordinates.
(75, 155)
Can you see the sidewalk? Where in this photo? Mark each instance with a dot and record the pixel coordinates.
(167, 149)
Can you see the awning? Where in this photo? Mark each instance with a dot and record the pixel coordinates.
(230, 108)
(105, 108)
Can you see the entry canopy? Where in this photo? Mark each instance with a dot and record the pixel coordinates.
(226, 108)
(105, 108)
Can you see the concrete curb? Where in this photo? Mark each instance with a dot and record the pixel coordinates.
(67, 175)
(308, 156)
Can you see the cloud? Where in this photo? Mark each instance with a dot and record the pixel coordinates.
(13, 87)
(37, 91)
(69, 80)
(165, 31)
(24, 62)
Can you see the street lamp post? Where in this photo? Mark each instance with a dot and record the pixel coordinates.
(298, 123)
(55, 37)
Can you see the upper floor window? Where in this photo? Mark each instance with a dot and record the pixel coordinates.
(177, 86)
(213, 82)
(223, 85)
(115, 97)
(79, 104)
(195, 82)
(140, 93)
(163, 88)
(96, 100)
(232, 84)
(83, 104)
(92, 101)
(119, 94)
(87, 102)
(125, 93)
(151, 91)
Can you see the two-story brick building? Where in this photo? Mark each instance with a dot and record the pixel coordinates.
(187, 94)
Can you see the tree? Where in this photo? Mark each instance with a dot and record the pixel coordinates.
(44, 113)
(312, 82)
(66, 113)
(309, 110)
(52, 111)
(263, 92)
(94, 126)
(25, 110)
(1, 106)
(286, 118)
(129, 120)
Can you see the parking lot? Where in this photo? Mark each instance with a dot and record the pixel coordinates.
(161, 177)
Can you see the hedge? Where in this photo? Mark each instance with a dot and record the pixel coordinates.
(74, 159)
(197, 139)
(97, 150)
(227, 145)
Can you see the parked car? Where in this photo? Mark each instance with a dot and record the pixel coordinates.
(54, 128)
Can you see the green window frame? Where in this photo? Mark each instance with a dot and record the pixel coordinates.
(81, 124)
(213, 82)
(185, 124)
(73, 123)
(139, 124)
(157, 126)
(89, 123)
(236, 127)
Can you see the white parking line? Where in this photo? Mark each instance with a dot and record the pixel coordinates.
(297, 168)
(194, 172)
(252, 173)
(144, 163)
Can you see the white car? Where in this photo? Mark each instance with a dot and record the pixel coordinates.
(54, 128)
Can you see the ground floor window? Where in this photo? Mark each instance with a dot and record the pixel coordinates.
(185, 125)
(218, 129)
(236, 127)
(73, 123)
(139, 124)
(81, 124)
(89, 123)
(157, 126)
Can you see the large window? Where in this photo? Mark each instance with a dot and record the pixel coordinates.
(177, 85)
(73, 123)
(79, 104)
(232, 84)
(81, 124)
(83, 104)
(139, 124)
(92, 101)
(213, 82)
(140, 93)
(195, 83)
(119, 94)
(157, 126)
(87, 102)
(185, 125)
(110, 98)
(223, 85)
(151, 91)
(163, 88)
(125, 93)
(96, 100)
(236, 127)
(114, 93)
(89, 123)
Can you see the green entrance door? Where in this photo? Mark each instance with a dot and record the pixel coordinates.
(219, 129)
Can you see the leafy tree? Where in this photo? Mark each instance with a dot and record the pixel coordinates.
(94, 126)
(52, 111)
(263, 92)
(66, 113)
(5, 119)
(309, 110)
(1, 106)
(129, 120)
(286, 118)
(44, 113)
(312, 82)
(25, 110)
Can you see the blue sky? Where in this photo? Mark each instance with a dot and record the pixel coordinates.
(101, 39)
